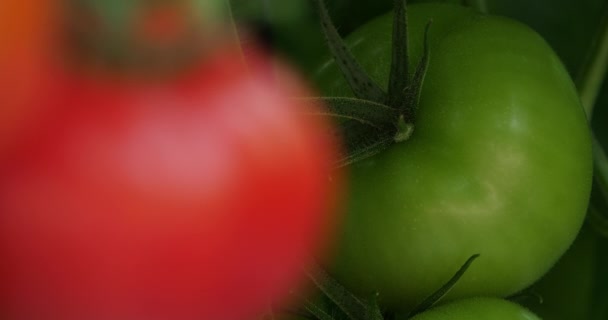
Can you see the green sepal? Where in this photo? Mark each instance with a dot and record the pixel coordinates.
(367, 146)
(365, 112)
(413, 92)
(439, 294)
(318, 311)
(399, 76)
(365, 128)
(352, 306)
(362, 85)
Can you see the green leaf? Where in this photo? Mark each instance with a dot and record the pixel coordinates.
(439, 294)
(399, 77)
(352, 306)
(359, 81)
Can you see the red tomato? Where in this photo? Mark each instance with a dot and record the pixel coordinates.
(200, 198)
(26, 34)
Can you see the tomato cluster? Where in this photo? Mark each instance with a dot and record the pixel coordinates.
(153, 167)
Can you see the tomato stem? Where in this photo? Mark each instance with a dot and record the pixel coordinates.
(589, 82)
(375, 119)
(598, 221)
(405, 130)
(599, 308)
(593, 72)
(601, 169)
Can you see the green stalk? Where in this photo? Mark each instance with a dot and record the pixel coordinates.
(591, 76)
(589, 82)
(601, 168)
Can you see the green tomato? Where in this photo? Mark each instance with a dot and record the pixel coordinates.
(478, 308)
(568, 26)
(499, 163)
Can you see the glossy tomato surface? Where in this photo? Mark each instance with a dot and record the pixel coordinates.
(201, 197)
(499, 163)
(478, 308)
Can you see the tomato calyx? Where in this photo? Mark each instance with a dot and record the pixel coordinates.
(376, 127)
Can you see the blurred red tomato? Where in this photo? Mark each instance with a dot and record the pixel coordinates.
(169, 21)
(200, 198)
(26, 34)
(145, 33)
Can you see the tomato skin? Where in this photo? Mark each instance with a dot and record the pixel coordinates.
(466, 309)
(478, 308)
(195, 199)
(499, 163)
(27, 32)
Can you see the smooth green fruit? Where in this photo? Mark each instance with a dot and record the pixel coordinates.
(478, 309)
(499, 163)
